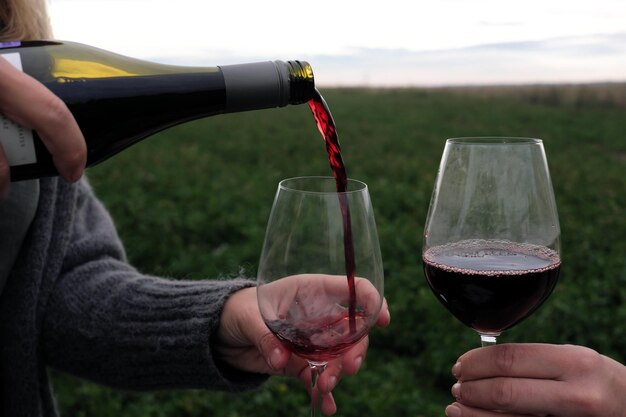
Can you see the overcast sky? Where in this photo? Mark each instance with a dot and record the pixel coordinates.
(362, 42)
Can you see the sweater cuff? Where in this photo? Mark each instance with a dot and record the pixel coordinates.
(168, 330)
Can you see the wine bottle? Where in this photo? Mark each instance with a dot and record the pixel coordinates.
(118, 101)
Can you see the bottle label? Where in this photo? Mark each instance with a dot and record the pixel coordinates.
(17, 141)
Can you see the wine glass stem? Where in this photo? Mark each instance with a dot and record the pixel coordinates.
(316, 399)
(487, 340)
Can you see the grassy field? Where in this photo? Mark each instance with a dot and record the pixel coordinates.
(192, 202)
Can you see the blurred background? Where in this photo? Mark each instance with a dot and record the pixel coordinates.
(400, 77)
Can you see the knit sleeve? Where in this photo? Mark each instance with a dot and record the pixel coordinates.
(106, 322)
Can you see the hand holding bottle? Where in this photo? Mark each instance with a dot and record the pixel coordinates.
(117, 101)
(31, 105)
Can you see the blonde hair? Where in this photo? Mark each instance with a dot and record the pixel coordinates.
(24, 20)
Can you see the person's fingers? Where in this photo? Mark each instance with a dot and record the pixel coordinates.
(349, 364)
(384, 317)
(460, 410)
(514, 395)
(64, 140)
(329, 407)
(331, 376)
(586, 384)
(276, 299)
(353, 359)
(30, 104)
(241, 328)
(4, 175)
(274, 352)
(542, 361)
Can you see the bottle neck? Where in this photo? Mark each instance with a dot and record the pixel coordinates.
(267, 84)
(302, 83)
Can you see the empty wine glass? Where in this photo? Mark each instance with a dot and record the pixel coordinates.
(320, 276)
(491, 250)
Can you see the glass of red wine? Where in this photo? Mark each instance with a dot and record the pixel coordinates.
(491, 249)
(320, 275)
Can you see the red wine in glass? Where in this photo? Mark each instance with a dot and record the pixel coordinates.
(491, 250)
(491, 286)
(326, 126)
(321, 339)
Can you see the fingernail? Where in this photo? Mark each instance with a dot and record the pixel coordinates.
(358, 362)
(72, 176)
(453, 411)
(332, 381)
(275, 358)
(456, 370)
(456, 390)
(77, 174)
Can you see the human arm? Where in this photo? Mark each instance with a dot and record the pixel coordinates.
(29, 103)
(538, 379)
(107, 322)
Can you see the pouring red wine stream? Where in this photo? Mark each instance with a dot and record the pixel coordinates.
(326, 126)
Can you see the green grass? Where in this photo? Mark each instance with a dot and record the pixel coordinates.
(192, 202)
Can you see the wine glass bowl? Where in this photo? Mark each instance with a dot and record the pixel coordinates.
(320, 274)
(309, 313)
(491, 251)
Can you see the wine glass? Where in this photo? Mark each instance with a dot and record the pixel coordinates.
(320, 275)
(491, 249)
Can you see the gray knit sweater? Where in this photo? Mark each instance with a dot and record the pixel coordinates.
(72, 302)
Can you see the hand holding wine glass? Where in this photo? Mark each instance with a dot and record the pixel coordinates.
(309, 313)
(244, 342)
(538, 379)
(320, 278)
(492, 240)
